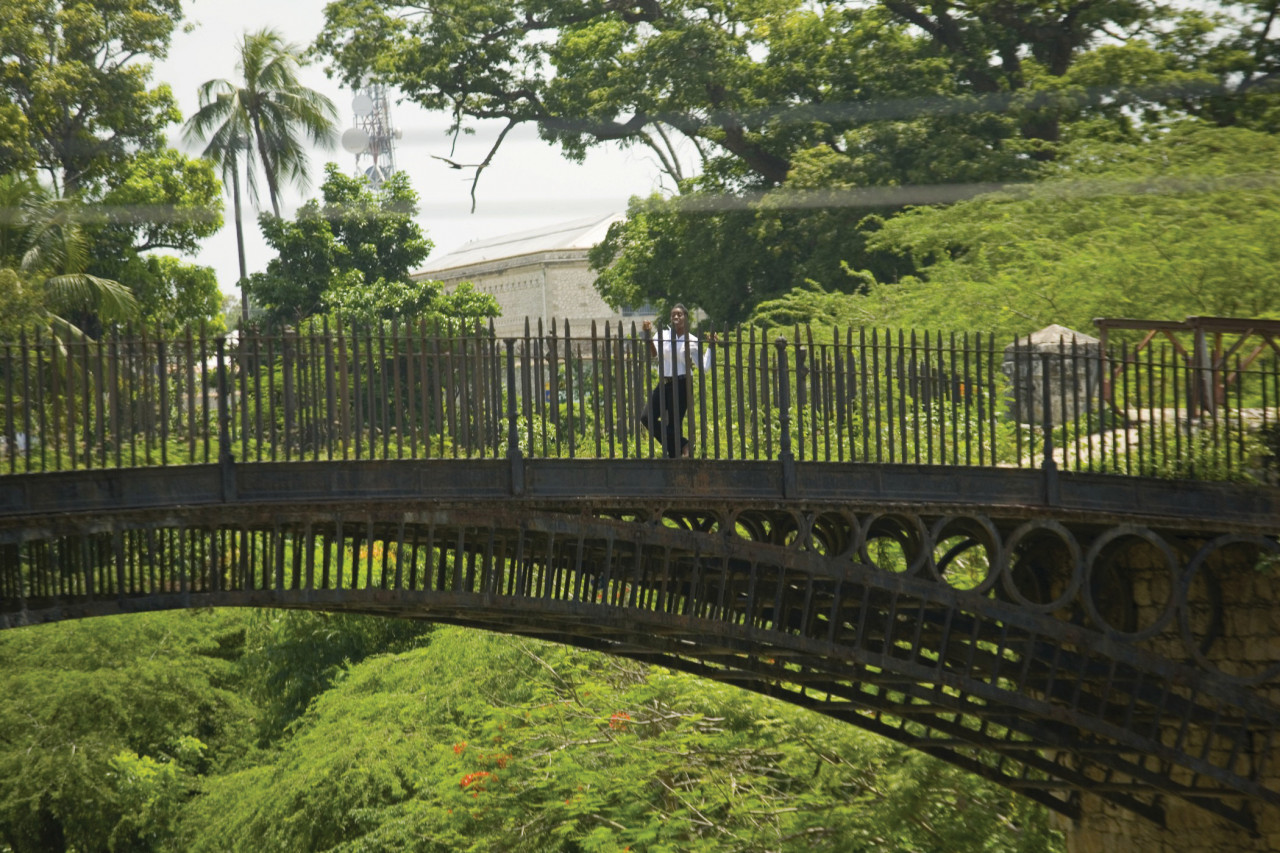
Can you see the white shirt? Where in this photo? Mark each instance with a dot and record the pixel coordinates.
(668, 342)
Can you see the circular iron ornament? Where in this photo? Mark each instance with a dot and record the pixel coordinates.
(1024, 531)
(838, 533)
(1091, 563)
(746, 525)
(784, 528)
(906, 530)
(981, 533)
(1264, 544)
(793, 536)
(695, 522)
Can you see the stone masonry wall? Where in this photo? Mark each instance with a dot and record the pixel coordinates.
(547, 286)
(1244, 642)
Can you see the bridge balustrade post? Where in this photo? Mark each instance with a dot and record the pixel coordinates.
(802, 399)
(513, 440)
(785, 455)
(226, 461)
(287, 345)
(1049, 465)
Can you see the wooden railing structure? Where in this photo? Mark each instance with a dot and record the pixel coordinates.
(868, 395)
(1213, 348)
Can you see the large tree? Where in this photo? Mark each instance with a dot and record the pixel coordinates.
(1178, 227)
(485, 742)
(79, 112)
(736, 87)
(831, 110)
(350, 254)
(106, 725)
(750, 83)
(80, 77)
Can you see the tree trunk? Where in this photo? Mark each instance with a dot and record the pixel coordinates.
(244, 275)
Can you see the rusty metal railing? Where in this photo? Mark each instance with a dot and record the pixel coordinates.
(861, 395)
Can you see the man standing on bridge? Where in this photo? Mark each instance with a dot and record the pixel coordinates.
(677, 350)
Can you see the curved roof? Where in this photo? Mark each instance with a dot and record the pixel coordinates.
(578, 234)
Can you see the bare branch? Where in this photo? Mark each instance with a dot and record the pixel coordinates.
(489, 159)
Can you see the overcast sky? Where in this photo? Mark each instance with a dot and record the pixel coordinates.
(528, 186)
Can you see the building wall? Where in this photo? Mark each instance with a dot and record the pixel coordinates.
(543, 286)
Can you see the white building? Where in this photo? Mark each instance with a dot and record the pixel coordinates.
(540, 274)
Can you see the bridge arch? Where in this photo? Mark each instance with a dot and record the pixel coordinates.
(1018, 675)
(878, 526)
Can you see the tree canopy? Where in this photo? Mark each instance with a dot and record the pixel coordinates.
(228, 731)
(77, 72)
(1182, 226)
(350, 254)
(484, 742)
(751, 83)
(80, 116)
(106, 724)
(784, 124)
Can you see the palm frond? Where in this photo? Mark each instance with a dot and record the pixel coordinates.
(111, 300)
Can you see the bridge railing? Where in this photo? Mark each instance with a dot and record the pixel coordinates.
(863, 395)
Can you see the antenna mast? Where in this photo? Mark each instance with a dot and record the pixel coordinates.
(371, 137)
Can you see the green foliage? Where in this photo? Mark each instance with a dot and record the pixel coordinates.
(260, 122)
(482, 742)
(367, 306)
(21, 306)
(78, 73)
(349, 253)
(158, 199)
(92, 125)
(1179, 227)
(648, 259)
(804, 119)
(807, 305)
(45, 253)
(151, 793)
(465, 308)
(105, 724)
(900, 90)
(174, 295)
(291, 657)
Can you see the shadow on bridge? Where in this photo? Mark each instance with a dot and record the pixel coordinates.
(1084, 639)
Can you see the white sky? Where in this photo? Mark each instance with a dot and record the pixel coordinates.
(529, 184)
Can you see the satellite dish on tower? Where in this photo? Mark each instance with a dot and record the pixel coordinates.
(355, 140)
(371, 135)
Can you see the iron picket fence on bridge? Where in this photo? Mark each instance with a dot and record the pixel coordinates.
(869, 395)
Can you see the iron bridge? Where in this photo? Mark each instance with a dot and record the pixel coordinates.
(1056, 633)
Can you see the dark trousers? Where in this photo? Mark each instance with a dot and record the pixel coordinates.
(665, 413)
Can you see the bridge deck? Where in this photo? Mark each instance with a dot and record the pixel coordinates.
(1031, 568)
(985, 616)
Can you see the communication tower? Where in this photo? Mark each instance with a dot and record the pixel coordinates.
(371, 137)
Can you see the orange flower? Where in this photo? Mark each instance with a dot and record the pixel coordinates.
(459, 747)
(477, 779)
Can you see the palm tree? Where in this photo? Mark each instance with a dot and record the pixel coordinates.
(228, 143)
(44, 251)
(265, 118)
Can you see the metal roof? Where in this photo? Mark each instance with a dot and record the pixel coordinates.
(579, 234)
